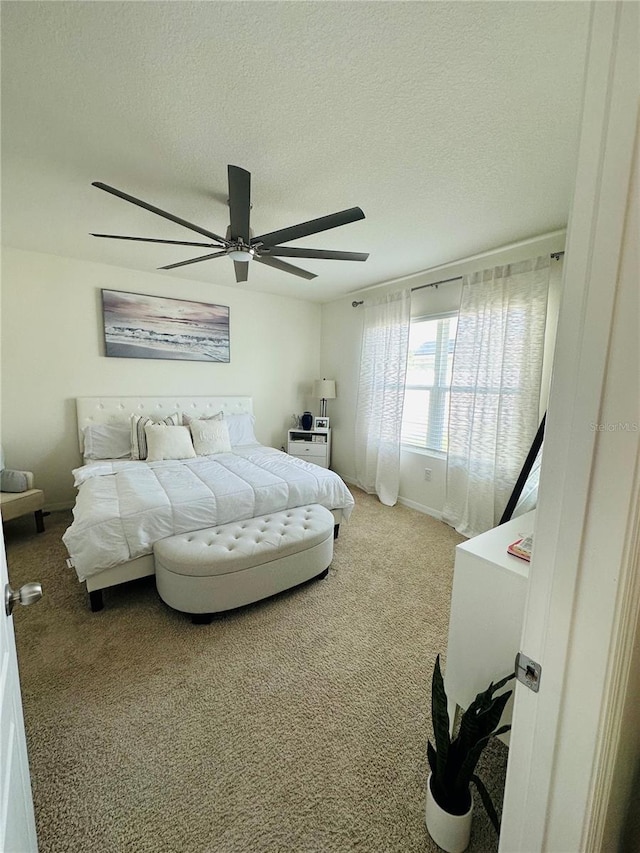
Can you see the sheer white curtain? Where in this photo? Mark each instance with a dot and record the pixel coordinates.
(383, 366)
(495, 390)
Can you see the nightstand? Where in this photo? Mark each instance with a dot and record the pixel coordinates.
(310, 444)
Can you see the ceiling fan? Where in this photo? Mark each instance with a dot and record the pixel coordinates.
(239, 244)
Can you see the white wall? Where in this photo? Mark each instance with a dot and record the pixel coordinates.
(53, 352)
(340, 360)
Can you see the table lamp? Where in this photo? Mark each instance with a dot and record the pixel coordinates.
(325, 389)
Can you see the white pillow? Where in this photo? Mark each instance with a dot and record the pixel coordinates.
(168, 442)
(107, 441)
(210, 436)
(138, 437)
(241, 429)
(186, 419)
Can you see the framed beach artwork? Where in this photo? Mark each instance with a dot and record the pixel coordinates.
(140, 326)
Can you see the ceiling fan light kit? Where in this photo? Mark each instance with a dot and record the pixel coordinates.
(241, 253)
(239, 244)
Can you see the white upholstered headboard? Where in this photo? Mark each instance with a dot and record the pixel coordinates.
(114, 410)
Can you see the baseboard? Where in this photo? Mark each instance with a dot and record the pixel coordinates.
(427, 510)
(348, 478)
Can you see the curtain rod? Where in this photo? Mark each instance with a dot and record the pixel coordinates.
(555, 255)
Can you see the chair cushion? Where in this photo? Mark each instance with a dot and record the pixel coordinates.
(15, 504)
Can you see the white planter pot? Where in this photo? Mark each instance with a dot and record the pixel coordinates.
(449, 831)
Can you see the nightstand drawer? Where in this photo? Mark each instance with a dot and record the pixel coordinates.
(308, 450)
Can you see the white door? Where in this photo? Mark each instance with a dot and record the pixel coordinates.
(583, 598)
(17, 823)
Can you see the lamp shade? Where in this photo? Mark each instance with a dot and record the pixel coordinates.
(324, 389)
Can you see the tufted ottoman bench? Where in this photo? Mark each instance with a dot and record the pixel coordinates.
(219, 568)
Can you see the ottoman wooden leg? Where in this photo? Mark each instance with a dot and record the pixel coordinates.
(39, 520)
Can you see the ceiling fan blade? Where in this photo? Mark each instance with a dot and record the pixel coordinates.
(304, 229)
(242, 270)
(327, 254)
(239, 202)
(193, 261)
(153, 240)
(160, 212)
(281, 265)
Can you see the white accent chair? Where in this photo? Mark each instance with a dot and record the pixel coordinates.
(18, 496)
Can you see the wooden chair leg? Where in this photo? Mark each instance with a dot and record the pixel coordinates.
(39, 516)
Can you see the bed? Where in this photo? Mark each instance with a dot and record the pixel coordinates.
(124, 505)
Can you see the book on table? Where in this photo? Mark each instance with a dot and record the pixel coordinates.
(521, 548)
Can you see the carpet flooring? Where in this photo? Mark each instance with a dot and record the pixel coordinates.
(296, 724)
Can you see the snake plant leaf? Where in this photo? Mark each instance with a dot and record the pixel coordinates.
(471, 759)
(469, 764)
(500, 684)
(440, 719)
(468, 733)
(487, 802)
(484, 697)
(480, 718)
(431, 757)
(489, 719)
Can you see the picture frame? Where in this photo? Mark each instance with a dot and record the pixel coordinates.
(321, 424)
(139, 325)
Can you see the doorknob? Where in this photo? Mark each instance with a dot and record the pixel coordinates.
(27, 594)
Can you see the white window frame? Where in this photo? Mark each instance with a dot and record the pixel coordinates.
(437, 392)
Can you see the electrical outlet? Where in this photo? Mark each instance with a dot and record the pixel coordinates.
(427, 474)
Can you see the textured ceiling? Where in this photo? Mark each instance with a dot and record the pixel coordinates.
(453, 125)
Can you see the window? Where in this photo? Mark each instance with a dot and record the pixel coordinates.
(426, 397)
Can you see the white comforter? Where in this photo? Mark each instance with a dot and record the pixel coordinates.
(123, 507)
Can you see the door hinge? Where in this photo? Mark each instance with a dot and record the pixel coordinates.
(528, 671)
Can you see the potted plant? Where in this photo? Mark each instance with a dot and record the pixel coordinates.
(453, 762)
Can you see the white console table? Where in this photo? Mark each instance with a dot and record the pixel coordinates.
(487, 608)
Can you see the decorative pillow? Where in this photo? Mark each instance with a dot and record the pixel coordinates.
(15, 481)
(210, 436)
(168, 442)
(187, 419)
(138, 437)
(241, 429)
(107, 441)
